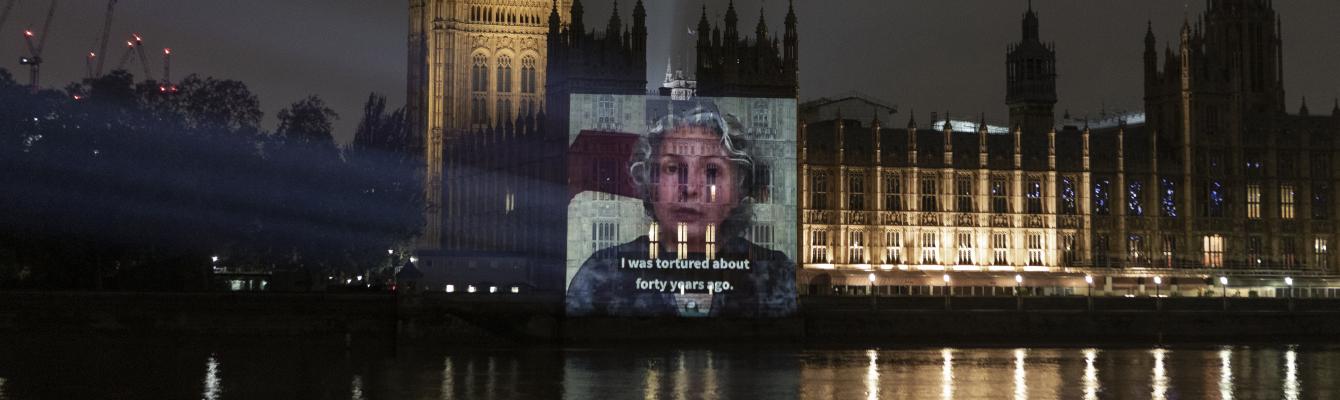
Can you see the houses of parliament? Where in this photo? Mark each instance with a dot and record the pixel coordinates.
(1215, 179)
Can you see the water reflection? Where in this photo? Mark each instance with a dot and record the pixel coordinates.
(252, 371)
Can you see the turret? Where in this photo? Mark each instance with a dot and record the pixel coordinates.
(639, 33)
(982, 156)
(791, 43)
(1151, 59)
(1302, 110)
(577, 28)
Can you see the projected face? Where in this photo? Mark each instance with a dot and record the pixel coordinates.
(695, 185)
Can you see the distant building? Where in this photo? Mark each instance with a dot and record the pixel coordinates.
(1217, 180)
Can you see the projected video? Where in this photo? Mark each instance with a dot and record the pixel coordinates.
(681, 208)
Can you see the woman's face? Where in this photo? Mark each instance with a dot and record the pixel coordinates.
(695, 184)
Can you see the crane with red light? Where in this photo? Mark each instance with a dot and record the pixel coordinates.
(34, 58)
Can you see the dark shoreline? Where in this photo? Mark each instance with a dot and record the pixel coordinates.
(538, 320)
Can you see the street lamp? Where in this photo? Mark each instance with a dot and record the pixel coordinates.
(1019, 292)
(390, 252)
(1288, 281)
(871, 277)
(948, 292)
(1088, 279)
(1158, 286)
(1223, 281)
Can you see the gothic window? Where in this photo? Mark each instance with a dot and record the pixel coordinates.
(530, 82)
(1034, 197)
(819, 190)
(965, 253)
(504, 111)
(1287, 201)
(893, 193)
(1035, 252)
(1168, 197)
(963, 191)
(1216, 198)
(479, 74)
(1320, 254)
(763, 183)
(760, 119)
(1134, 196)
(1321, 200)
(1069, 197)
(681, 241)
(856, 252)
(819, 247)
(930, 195)
(1255, 251)
(1000, 248)
(605, 111)
(1169, 250)
(893, 247)
(604, 234)
(930, 248)
(653, 240)
(1253, 201)
(1135, 245)
(710, 245)
(1289, 251)
(1102, 201)
(1000, 202)
(1069, 250)
(761, 234)
(1213, 251)
(712, 175)
(1321, 165)
(1100, 249)
(504, 74)
(856, 192)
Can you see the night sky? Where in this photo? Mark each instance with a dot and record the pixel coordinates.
(929, 56)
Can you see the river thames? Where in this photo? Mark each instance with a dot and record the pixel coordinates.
(54, 368)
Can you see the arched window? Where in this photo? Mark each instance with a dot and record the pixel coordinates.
(479, 74)
(529, 80)
(504, 74)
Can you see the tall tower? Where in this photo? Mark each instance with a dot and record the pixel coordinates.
(473, 64)
(1031, 80)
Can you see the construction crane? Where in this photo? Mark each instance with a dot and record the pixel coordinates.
(135, 45)
(167, 86)
(102, 40)
(34, 58)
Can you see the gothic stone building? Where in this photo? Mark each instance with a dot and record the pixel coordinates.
(1218, 180)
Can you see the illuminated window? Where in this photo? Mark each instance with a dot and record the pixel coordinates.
(1068, 249)
(1102, 201)
(930, 248)
(1286, 201)
(712, 173)
(604, 235)
(1321, 200)
(1168, 197)
(1100, 250)
(1216, 197)
(1000, 248)
(682, 241)
(763, 183)
(819, 190)
(529, 79)
(1169, 251)
(760, 119)
(1134, 196)
(711, 243)
(605, 113)
(654, 241)
(1069, 197)
(1000, 201)
(509, 202)
(1320, 254)
(963, 191)
(965, 246)
(1034, 197)
(1255, 251)
(1213, 254)
(681, 173)
(893, 247)
(930, 195)
(819, 247)
(856, 192)
(893, 193)
(1135, 246)
(1035, 249)
(1289, 251)
(761, 234)
(856, 252)
(1253, 201)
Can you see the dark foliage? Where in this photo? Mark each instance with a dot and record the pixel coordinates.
(128, 187)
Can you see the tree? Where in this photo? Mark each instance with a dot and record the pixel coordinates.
(307, 121)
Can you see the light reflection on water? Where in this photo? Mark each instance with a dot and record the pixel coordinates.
(748, 372)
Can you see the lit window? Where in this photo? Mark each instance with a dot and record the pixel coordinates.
(893, 247)
(1102, 201)
(682, 241)
(856, 252)
(1216, 197)
(819, 247)
(964, 192)
(1135, 245)
(1034, 197)
(1168, 194)
(654, 241)
(1287, 202)
(819, 190)
(930, 195)
(712, 173)
(1321, 254)
(1035, 252)
(1289, 252)
(1069, 198)
(1000, 248)
(930, 248)
(1134, 195)
(1000, 202)
(1253, 201)
(1169, 251)
(1213, 251)
(711, 244)
(965, 246)
(1068, 247)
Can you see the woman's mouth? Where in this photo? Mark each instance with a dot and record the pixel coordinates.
(685, 214)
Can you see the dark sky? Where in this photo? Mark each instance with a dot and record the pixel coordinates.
(945, 55)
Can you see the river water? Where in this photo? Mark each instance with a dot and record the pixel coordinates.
(41, 367)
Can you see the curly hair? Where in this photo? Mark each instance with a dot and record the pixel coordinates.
(734, 141)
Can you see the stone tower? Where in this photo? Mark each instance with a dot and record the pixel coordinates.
(1031, 77)
(473, 64)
